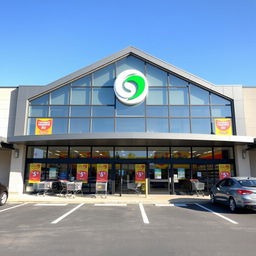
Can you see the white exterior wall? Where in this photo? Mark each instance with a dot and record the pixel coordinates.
(17, 168)
(242, 161)
(5, 160)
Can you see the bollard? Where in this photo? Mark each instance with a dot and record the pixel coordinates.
(146, 190)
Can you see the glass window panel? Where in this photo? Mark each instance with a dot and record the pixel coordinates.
(200, 111)
(103, 111)
(31, 126)
(80, 111)
(102, 152)
(221, 111)
(103, 125)
(38, 111)
(179, 125)
(179, 111)
(157, 125)
(84, 81)
(158, 152)
(175, 81)
(79, 125)
(180, 152)
(57, 171)
(156, 76)
(59, 111)
(157, 96)
(179, 96)
(80, 96)
(130, 125)
(202, 152)
(43, 100)
(60, 96)
(130, 62)
(157, 111)
(223, 153)
(202, 126)
(57, 152)
(198, 96)
(60, 126)
(215, 99)
(80, 152)
(127, 110)
(103, 96)
(131, 152)
(104, 76)
(36, 152)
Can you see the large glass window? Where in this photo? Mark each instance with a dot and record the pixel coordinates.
(38, 111)
(198, 96)
(157, 111)
(84, 81)
(179, 96)
(102, 152)
(215, 99)
(158, 152)
(60, 126)
(60, 96)
(179, 125)
(103, 96)
(104, 76)
(59, 111)
(157, 96)
(223, 153)
(157, 125)
(79, 125)
(36, 152)
(31, 126)
(58, 152)
(179, 111)
(175, 81)
(221, 111)
(80, 152)
(130, 125)
(200, 111)
(130, 62)
(102, 125)
(156, 76)
(43, 100)
(131, 152)
(103, 111)
(135, 110)
(80, 96)
(202, 152)
(202, 126)
(80, 111)
(180, 152)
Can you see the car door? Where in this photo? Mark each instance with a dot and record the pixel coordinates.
(226, 190)
(221, 191)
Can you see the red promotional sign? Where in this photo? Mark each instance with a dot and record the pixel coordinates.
(140, 173)
(34, 173)
(102, 173)
(43, 126)
(82, 172)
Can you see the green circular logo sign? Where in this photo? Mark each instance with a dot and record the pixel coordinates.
(131, 87)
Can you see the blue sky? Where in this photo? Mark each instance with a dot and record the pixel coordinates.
(44, 40)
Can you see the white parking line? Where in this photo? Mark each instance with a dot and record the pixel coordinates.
(13, 207)
(110, 204)
(218, 214)
(50, 204)
(66, 214)
(143, 214)
(171, 205)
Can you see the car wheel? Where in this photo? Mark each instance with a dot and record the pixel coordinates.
(3, 198)
(213, 201)
(232, 204)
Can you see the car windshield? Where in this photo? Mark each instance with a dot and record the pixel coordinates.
(248, 183)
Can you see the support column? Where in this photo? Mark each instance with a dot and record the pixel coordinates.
(242, 161)
(16, 178)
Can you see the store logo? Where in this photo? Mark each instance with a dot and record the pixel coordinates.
(131, 87)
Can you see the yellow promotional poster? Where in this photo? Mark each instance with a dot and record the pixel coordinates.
(82, 172)
(34, 173)
(140, 173)
(223, 126)
(224, 171)
(43, 126)
(102, 173)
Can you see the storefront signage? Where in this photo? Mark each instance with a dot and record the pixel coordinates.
(34, 173)
(181, 173)
(224, 171)
(43, 126)
(158, 174)
(140, 173)
(53, 173)
(82, 172)
(131, 87)
(102, 173)
(223, 126)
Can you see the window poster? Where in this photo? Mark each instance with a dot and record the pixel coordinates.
(158, 174)
(140, 173)
(181, 173)
(82, 172)
(53, 173)
(43, 126)
(34, 173)
(102, 173)
(223, 126)
(224, 171)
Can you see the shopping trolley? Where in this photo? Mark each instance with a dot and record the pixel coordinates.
(43, 187)
(73, 188)
(198, 187)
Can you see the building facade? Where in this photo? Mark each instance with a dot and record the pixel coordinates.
(131, 114)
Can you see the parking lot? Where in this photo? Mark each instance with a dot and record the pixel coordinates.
(125, 229)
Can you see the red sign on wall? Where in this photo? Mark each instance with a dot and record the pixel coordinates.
(140, 173)
(34, 173)
(102, 173)
(82, 172)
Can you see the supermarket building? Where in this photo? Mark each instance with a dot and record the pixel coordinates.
(127, 113)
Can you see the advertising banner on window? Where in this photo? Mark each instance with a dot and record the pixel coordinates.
(102, 173)
(181, 173)
(223, 126)
(43, 126)
(158, 174)
(140, 173)
(53, 173)
(34, 173)
(224, 171)
(82, 172)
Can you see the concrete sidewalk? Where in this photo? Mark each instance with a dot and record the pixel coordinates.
(92, 199)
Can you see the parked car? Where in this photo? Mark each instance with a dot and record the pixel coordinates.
(3, 194)
(236, 192)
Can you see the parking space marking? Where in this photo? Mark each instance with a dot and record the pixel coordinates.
(171, 205)
(218, 214)
(50, 204)
(143, 214)
(13, 207)
(66, 214)
(110, 205)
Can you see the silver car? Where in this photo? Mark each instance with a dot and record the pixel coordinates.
(236, 192)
